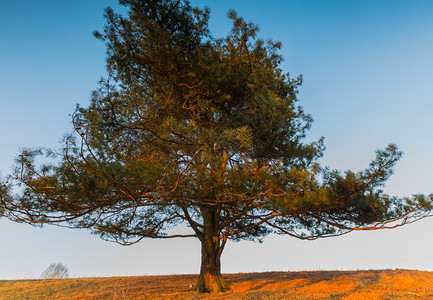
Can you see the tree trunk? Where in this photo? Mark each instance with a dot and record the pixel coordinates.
(210, 280)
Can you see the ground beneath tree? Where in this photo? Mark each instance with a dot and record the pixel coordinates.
(376, 284)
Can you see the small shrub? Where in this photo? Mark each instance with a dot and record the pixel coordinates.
(55, 271)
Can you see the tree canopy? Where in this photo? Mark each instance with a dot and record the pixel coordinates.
(4, 194)
(189, 128)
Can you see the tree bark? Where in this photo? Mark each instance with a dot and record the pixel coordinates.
(210, 279)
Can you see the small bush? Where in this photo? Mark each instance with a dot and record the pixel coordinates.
(55, 271)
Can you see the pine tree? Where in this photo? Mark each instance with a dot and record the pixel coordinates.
(188, 128)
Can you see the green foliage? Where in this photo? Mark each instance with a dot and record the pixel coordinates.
(5, 194)
(192, 128)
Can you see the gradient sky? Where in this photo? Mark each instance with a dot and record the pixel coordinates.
(368, 71)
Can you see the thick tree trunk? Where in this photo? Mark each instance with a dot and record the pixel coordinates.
(210, 280)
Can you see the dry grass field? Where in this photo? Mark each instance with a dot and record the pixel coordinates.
(376, 284)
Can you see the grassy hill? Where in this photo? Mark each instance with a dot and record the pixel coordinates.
(374, 284)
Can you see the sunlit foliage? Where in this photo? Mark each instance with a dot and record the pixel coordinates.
(189, 128)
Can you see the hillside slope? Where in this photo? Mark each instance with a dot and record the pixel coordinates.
(373, 284)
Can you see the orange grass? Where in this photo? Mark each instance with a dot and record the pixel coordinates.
(373, 284)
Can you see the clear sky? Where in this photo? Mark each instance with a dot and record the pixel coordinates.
(368, 73)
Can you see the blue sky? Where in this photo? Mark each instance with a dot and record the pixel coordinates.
(368, 71)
